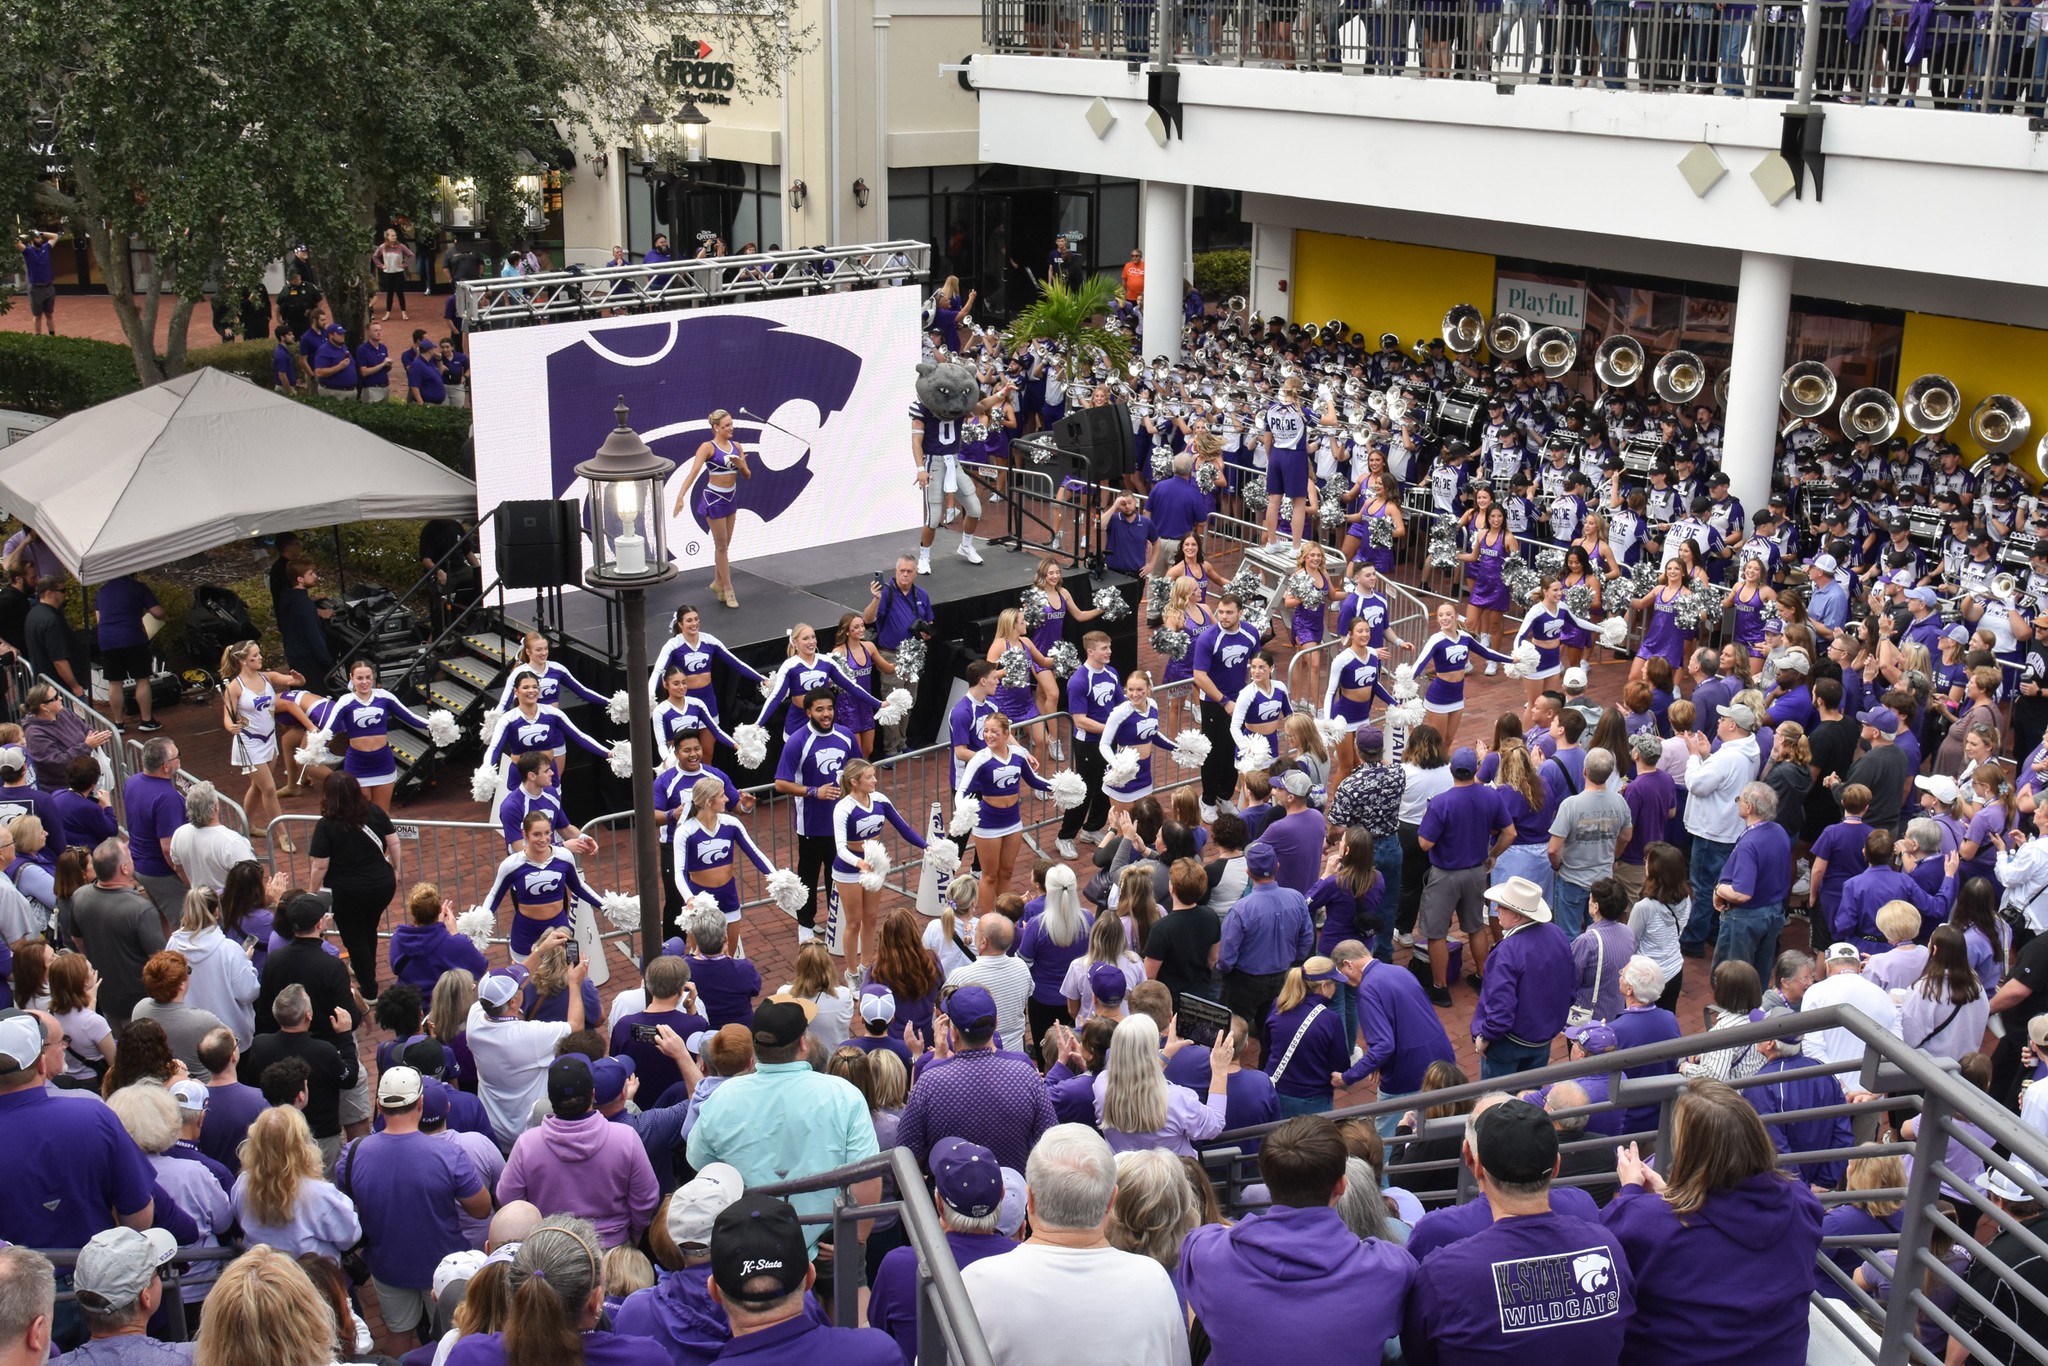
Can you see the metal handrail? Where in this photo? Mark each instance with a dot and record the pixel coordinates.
(114, 748)
(173, 1277)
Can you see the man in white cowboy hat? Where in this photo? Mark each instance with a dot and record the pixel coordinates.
(1528, 986)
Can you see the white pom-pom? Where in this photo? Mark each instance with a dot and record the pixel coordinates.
(1069, 790)
(621, 758)
(315, 753)
(1254, 754)
(1122, 769)
(1404, 678)
(478, 925)
(704, 904)
(1406, 715)
(1190, 749)
(483, 782)
(620, 708)
(787, 890)
(877, 859)
(1614, 632)
(750, 742)
(441, 727)
(1526, 660)
(943, 856)
(966, 815)
(894, 707)
(1332, 729)
(622, 910)
(767, 687)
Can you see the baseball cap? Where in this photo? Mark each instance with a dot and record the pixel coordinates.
(117, 1265)
(1464, 760)
(1882, 719)
(1844, 953)
(1793, 660)
(2037, 1031)
(1296, 782)
(12, 760)
(425, 1055)
(570, 1085)
(1825, 563)
(695, 1043)
(967, 1177)
(500, 985)
(1944, 789)
(399, 1088)
(1647, 745)
(1371, 740)
(1959, 633)
(1991, 1181)
(1741, 715)
(675, 947)
(21, 1042)
(456, 1268)
(608, 1078)
(877, 1003)
(1260, 860)
(433, 1100)
(1107, 983)
(778, 1024)
(1011, 1217)
(971, 1007)
(696, 1204)
(306, 912)
(190, 1095)
(1594, 1036)
(1926, 597)
(758, 1236)
(1575, 677)
(333, 328)
(1516, 1143)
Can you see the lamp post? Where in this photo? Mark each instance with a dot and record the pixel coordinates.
(622, 515)
(673, 150)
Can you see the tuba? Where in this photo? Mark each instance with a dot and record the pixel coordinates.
(1721, 390)
(1552, 352)
(1619, 362)
(2000, 422)
(1807, 390)
(1506, 335)
(1311, 331)
(1679, 377)
(1464, 328)
(1932, 403)
(1869, 412)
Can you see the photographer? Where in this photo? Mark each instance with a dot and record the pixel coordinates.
(897, 610)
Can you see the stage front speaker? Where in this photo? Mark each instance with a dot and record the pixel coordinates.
(540, 543)
(1103, 435)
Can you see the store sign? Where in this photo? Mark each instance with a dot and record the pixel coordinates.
(1544, 305)
(685, 65)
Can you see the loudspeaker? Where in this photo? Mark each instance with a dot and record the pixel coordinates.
(1103, 435)
(540, 543)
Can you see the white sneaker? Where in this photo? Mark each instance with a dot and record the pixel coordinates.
(1059, 755)
(995, 497)
(1492, 668)
(967, 551)
(1208, 813)
(1067, 849)
(924, 561)
(805, 935)
(1055, 540)
(1403, 941)
(1356, 1054)
(1091, 836)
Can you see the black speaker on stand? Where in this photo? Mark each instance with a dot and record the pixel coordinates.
(540, 544)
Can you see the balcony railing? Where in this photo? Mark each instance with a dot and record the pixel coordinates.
(1988, 58)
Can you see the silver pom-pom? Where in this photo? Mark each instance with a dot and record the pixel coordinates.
(1158, 592)
(1244, 585)
(1253, 492)
(1579, 597)
(1686, 611)
(1254, 754)
(1710, 610)
(1031, 605)
(1162, 463)
(1330, 512)
(1206, 478)
(1521, 580)
(910, 660)
(1770, 618)
(622, 910)
(1380, 533)
(1258, 617)
(1443, 546)
(750, 743)
(620, 708)
(1016, 668)
(1643, 577)
(1285, 517)
(1064, 659)
(1170, 643)
(1549, 560)
(1111, 603)
(1514, 567)
(1040, 451)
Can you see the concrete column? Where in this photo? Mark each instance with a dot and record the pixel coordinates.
(1164, 231)
(1763, 310)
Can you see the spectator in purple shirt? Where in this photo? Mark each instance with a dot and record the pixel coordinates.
(1527, 991)
(1296, 835)
(726, 982)
(1652, 798)
(156, 808)
(974, 1090)
(429, 946)
(1177, 507)
(1755, 881)
(1463, 827)
(970, 1186)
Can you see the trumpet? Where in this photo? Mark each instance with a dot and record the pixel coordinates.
(2000, 423)
(1679, 377)
(1507, 335)
(1807, 390)
(2006, 588)
(1553, 351)
(1931, 405)
(1463, 329)
(1618, 362)
(1869, 412)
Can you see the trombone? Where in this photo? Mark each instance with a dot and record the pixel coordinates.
(1619, 362)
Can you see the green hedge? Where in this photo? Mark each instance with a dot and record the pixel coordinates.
(57, 376)
(1220, 274)
(249, 359)
(440, 432)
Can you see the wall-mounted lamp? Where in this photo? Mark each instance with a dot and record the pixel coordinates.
(861, 193)
(599, 163)
(798, 192)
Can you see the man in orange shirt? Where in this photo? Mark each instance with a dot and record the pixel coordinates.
(1134, 277)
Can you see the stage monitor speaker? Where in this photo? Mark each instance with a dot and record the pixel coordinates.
(540, 543)
(1101, 434)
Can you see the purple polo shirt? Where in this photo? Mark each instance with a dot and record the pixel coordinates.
(985, 1096)
(406, 1188)
(1760, 865)
(726, 988)
(1177, 508)
(1462, 821)
(1650, 795)
(892, 1300)
(800, 1341)
(72, 1164)
(155, 810)
(1297, 842)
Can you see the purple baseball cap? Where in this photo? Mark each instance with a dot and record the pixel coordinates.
(971, 1007)
(1108, 983)
(967, 1177)
(608, 1077)
(1464, 759)
(1594, 1036)
(1261, 859)
(1882, 719)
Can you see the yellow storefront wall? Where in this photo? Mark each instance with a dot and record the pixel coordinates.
(1377, 287)
(1982, 359)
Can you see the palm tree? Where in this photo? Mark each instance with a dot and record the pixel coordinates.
(1068, 318)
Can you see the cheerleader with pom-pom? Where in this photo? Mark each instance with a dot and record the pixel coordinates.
(1543, 626)
(695, 652)
(1060, 607)
(1490, 545)
(995, 777)
(249, 711)
(672, 788)
(543, 882)
(1580, 573)
(866, 665)
(1354, 683)
(1129, 737)
(1445, 657)
(1261, 707)
(533, 661)
(708, 844)
(1018, 656)
(1378, 525)
(803, 673)
(306, 714)
(1305, 595)
(1747, 601)
(533, 725)
(857, 820)
(1187, 611)
(1661, 636)
(1192, 565)
(809, 769)
(362, 716)
(536, 792)
(676, 710)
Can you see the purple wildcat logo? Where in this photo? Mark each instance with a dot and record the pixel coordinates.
(715, 362)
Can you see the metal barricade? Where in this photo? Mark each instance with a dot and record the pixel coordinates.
(116, 749)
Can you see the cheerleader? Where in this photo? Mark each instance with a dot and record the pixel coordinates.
(675, 710)
(1543, 627)
(857, 818)
(533, 660)
(866, 665)
(530, 725)
(249, 707)
(1192, 566)
(1661, 638)
(694, 652)
(1368, 600)
(1185, 611)
(1746, 601)
(543, 882)
(993, 776)
(307, 712)
(1134, 726)
(1445, 657)
(1491, 544)
(362, 716)
(804, 672)
(672, 787)
(1306, 623)
(536, 793)
(1060, 607)
(1016, 653)
(723, 464)
(1261, 708)
(1578, 572)
(1354, 683)
(1600, 552)
(1375, 500)
(707, 844)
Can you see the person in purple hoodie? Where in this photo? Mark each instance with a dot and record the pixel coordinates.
(1295, 1263)
(676, 1312)
(429, 946)
(969, 1185)
(1772, 1097)
(1719, 1227)
(1533, 1285)
(579, 1162)
(1527, 991)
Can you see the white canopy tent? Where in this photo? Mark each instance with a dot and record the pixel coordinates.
(204, 460)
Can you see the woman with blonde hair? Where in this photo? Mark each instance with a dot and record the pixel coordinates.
(1137, 901)
(1108, 944)
(532, 658)
(1136, 1108)
(447, 1020)
(33, 870)
(804, 670)
(224, 979)
(1060, 607)
(265, 1311)
(1011, 647)
(1303, 1041)
(1306, 752)
(1154, 1207)
(281, 1198)
(1522, 797)
(249, 713)
(857, 819)
(995, 779)
(1186, 610)
(1306, 622)
(818, 981)
(723, 463)
(1862, 1217)
(943, 936)
(1049, 944)
(546, 993)
(1789, 774)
